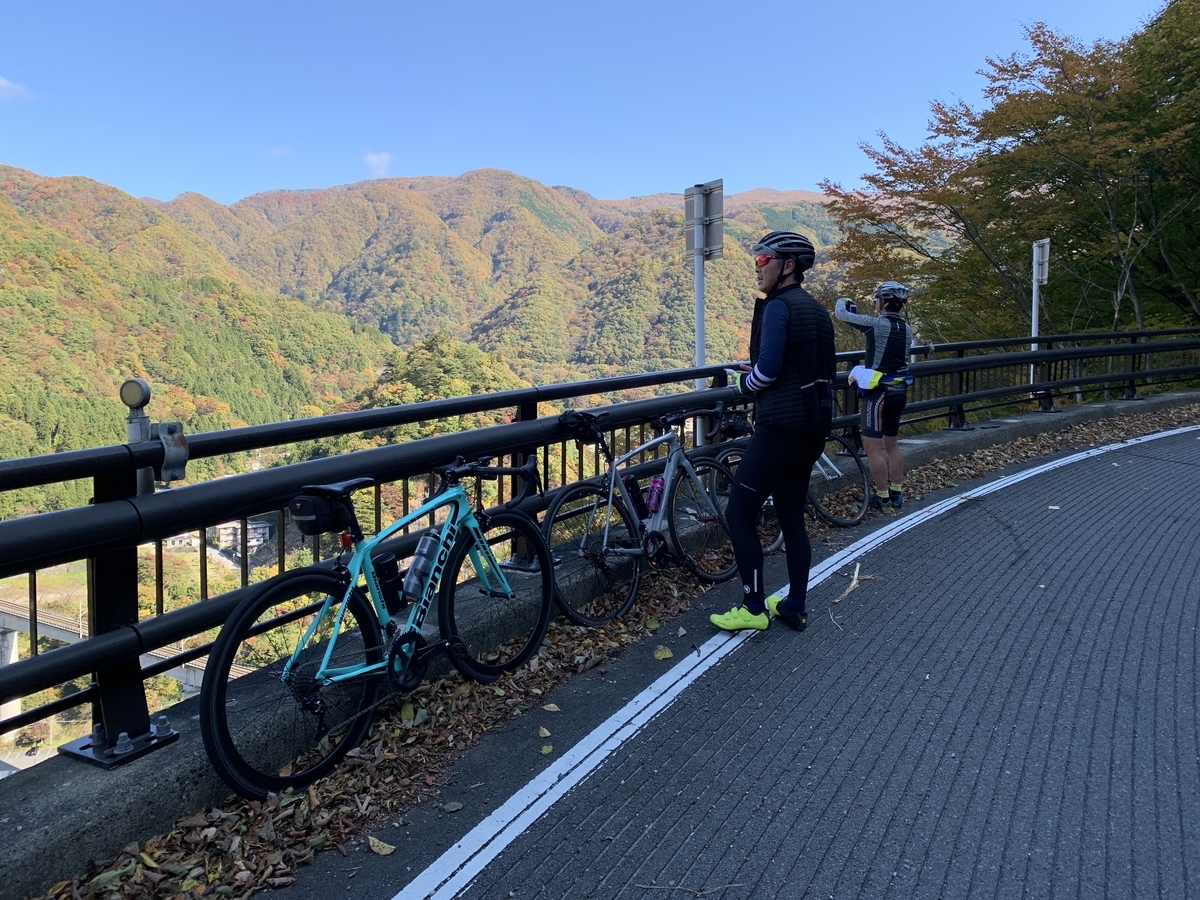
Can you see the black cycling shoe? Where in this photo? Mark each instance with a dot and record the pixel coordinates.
(798, 621)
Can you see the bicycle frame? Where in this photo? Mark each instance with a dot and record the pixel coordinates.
(460, 516)
(827, 468)
(678, 465)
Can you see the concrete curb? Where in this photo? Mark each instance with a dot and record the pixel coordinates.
(62, 813)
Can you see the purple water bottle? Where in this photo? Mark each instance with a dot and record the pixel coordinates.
(654, 494)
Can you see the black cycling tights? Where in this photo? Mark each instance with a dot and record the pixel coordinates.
(776, 462)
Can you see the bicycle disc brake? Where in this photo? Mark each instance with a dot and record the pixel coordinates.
(406, 664)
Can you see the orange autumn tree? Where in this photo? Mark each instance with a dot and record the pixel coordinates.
(1069, 145)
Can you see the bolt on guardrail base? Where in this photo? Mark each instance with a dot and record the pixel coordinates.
(94, 747)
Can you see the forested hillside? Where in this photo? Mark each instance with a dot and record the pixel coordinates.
(97, 287)
(295, 303)
(562, 284)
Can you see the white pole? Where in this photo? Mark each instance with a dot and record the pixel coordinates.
(701, 383)
(698, 211)
(1036, 303)
(1036, 297)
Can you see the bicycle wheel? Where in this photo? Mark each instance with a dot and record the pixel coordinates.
(770, 536)
(267, 730)
(697, 520)
(498, 613)
(591, 585)
(838, 488)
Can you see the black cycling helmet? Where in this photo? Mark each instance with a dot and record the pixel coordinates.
(892, 293)
(788, 245)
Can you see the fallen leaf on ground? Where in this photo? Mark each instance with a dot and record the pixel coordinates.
(543, 732)
(378, 846)
(662, 652)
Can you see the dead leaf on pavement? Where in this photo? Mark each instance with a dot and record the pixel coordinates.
(378, 846)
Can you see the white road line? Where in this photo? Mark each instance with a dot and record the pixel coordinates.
(455, 868)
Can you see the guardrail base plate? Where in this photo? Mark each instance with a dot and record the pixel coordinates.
(106, 758)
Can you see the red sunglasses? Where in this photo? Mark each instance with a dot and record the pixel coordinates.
(762, 259)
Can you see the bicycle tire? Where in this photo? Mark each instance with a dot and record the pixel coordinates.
(494, 631)
(839, 488)
(265, 733)
(766, 523)
(697, 524)
(592, 587)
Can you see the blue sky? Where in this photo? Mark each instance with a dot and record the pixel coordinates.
(620, 99)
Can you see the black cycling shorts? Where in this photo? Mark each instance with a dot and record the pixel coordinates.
(881, 413)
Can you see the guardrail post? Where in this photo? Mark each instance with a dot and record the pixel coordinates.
(1045, 397)
(121, 718)
(1130, 367)
(527, 412)
(956, 414)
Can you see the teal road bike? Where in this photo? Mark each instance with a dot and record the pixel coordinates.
(299, 668)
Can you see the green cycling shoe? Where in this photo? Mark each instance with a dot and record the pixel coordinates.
(739, 619)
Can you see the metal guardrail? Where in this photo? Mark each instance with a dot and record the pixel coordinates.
(952, 381)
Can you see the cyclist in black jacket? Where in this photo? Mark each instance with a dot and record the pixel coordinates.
(791, 376)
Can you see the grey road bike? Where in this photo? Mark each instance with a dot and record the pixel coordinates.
(598, 544)
(838, 488)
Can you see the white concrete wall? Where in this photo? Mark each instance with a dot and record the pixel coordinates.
(8, 654)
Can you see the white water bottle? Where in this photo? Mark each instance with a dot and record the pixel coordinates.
(654, 494)
(422, 564)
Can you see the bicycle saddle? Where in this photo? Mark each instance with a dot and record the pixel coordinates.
(338, 488)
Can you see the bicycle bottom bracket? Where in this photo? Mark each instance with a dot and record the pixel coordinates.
(653, 546)
(406, 666)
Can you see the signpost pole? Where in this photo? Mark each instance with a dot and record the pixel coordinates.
(1041, 271)
(698, 259)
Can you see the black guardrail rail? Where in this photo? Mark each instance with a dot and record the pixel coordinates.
(954, 381)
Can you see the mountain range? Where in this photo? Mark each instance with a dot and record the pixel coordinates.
(291, 303)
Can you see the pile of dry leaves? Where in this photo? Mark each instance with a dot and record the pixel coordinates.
(241, 847)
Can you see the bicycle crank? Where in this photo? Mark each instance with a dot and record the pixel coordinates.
(654, 545)
(408, 660)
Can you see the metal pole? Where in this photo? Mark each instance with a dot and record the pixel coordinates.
(701, 384)
(1036, 303)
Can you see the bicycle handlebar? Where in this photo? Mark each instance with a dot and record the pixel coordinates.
(530, 484)
(717, 412)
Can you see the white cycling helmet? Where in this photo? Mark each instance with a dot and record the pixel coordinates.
(891, 293)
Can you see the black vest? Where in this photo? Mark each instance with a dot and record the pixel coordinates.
(801, 397)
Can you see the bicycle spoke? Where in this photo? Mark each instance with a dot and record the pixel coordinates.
(595, 582)
(270, 723)
(495, 604)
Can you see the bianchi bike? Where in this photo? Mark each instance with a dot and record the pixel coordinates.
(599, 545)
(298, 669)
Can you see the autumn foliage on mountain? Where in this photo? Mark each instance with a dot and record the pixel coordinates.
(297, 303)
